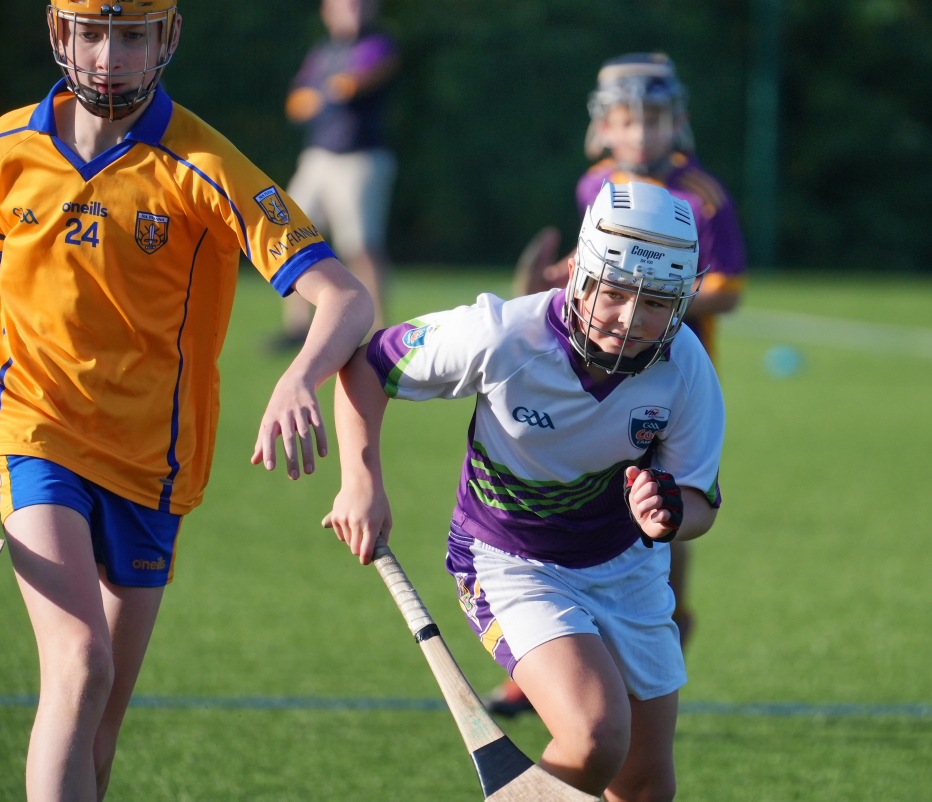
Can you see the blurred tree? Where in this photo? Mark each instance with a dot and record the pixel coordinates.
(490, 113)
(858, 134)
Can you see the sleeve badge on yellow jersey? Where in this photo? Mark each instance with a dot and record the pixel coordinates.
(151, 231)
(274, 207)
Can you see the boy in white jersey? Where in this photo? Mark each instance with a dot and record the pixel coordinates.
(579, 392)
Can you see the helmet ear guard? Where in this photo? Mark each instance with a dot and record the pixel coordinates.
(64, 13)
(639, 239)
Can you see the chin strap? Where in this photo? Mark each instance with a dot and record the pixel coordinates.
(98, 103)
(602, 359)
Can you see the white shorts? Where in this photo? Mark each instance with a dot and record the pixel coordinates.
(346, 195)
(515, 605)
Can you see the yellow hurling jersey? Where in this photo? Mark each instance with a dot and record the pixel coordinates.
(117, 279)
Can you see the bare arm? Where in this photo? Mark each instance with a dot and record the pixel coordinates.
(698, 514)
(711, 301)
(366, 81)
(343, 317)
(305, 102)
(361, 510)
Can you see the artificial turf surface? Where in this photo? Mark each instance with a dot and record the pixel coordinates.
(813, 587)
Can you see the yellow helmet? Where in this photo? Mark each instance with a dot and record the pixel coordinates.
(162, 25)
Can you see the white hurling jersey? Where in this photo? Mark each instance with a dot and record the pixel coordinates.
(544, 470)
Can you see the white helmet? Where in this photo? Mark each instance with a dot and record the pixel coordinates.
(638, 238)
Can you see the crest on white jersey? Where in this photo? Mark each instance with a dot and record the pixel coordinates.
(645, 423)
(417, 338)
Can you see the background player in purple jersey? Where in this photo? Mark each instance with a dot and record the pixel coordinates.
(588, 400)
(639, 115)
(346, 172)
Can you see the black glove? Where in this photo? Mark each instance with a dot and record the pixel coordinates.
(669, 491)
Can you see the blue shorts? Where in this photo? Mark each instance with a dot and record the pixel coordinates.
(135, 544)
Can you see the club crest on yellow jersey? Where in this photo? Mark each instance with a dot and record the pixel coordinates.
(274, 207)
(151, 231)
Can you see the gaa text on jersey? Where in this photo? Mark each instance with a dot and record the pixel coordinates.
(637, 250)
(532, 417)
(95, 208)
(25, 215)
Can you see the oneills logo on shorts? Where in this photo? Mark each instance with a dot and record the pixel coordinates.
(274, 207)
(151, 231)
(150, 565)
(645, 424)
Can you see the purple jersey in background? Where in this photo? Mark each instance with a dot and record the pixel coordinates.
(721, 245)
(356, 125)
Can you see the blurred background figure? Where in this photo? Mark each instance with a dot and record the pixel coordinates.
(639, 115)
(346, 172)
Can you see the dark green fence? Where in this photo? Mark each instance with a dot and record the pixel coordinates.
(489, 116)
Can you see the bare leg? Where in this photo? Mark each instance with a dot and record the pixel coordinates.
(54, 563)
(576, 687)
(131, 614)
(84, 688)
(648, 774)
(680, 556)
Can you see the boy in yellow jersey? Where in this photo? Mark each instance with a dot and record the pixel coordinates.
(122, 218)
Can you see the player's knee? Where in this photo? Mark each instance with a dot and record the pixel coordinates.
(98, 670)
(600, 744)
(85, 672)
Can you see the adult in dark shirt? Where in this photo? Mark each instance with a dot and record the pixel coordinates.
(346, 171)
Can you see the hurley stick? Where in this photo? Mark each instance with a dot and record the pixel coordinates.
(505, 772)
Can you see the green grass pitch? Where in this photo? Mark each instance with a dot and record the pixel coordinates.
(813, 587)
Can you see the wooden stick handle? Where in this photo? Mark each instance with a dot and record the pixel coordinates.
(406, 597)
(506, 774)
(476, 725)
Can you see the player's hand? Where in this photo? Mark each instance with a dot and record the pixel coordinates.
(360, 514)
(656, 505)
(304, 103)
(341, 88)
(294, 415)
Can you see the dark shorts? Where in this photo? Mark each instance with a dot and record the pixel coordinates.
(135, 544)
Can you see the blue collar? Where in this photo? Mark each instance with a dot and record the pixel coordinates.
(149, 129)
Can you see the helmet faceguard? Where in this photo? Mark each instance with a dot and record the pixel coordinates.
(148, 13)
(640, 81)
(636, 238)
